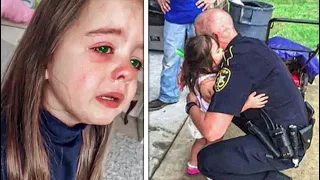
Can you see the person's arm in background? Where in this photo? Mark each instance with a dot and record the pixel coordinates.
(164, 5)
(205, 4)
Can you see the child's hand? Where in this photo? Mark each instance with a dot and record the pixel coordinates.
(257, 101)
(180, 80)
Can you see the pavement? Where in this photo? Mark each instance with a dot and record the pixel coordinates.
(164, 124)
(125, 159)
(170, 142)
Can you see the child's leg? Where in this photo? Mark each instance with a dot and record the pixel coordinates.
(197, 146)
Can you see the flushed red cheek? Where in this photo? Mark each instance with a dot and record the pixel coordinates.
(97, 57)
(81, 80)
(87, 81)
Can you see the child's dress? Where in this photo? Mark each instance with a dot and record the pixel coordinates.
(203, 107)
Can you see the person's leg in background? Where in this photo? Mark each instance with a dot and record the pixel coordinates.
(241, 158)
(190, 30)
(174, 38)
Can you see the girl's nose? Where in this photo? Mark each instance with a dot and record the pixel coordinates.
(124, 72)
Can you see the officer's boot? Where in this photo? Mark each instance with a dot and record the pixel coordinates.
(281, 176)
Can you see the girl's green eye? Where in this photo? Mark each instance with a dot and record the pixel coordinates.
(103, 49)
(136, 63)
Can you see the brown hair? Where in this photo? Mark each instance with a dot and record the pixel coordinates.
(21, 98)
(198, 59)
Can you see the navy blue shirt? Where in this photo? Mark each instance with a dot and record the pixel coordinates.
(249, 65)
(62, 144)
(182, 12)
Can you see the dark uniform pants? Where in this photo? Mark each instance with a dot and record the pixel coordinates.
(241, 158)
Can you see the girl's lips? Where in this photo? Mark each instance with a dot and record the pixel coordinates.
(111, 99)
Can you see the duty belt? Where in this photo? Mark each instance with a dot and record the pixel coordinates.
(285, 143)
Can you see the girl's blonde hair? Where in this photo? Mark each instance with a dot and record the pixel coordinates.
(22, 95)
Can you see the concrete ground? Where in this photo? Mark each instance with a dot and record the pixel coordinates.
(170, 141)
(165, 124)
(125, 155)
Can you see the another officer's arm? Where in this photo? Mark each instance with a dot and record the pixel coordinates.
(212, 125)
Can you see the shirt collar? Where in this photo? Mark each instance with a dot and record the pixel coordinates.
(57, 131)
(234, 41)
(228, 51)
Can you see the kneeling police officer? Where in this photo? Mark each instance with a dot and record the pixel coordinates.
(277, 136)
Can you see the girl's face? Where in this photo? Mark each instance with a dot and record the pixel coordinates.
(93, 74)
(216, 53)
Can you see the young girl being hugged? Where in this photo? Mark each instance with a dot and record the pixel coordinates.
(202, 59)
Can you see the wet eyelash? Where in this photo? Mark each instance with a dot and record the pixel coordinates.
(108, 50)
(136, 63)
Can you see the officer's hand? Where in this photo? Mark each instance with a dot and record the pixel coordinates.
(164, 5)
(191, 97)
(204, 4)
(257, 101)
(181, 81)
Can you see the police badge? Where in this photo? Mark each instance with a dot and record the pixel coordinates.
(223, 78)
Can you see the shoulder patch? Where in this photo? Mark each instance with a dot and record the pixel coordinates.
(223, 78)
(230, 56)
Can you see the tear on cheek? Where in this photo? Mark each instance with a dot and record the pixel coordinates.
(132, 90)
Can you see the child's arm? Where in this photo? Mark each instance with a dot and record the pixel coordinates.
(254, 101)
(206, 89)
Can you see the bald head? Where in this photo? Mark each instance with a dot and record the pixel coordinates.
(216, 22)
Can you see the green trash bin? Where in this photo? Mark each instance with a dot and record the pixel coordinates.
(252, 19)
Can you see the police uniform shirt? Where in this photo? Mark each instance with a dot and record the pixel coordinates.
(249, 65)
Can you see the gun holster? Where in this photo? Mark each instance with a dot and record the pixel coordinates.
(281, 145)
(306, 133)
